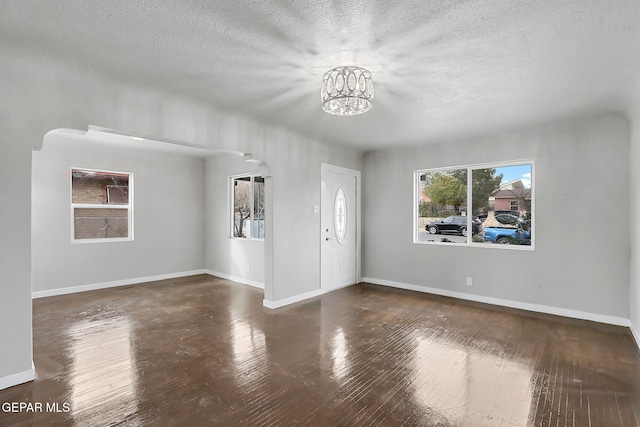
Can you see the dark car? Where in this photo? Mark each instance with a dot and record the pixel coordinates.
(501, 212)
(455, 224)
(507, 219)
(483, 216)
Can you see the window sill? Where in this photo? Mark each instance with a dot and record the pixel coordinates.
(114, 240)
(247, 239)
(480, 245)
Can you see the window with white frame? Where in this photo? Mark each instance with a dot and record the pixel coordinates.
(247, 215)
(475, 205)
(101, 206)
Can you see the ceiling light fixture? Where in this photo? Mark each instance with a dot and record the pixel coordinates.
(346, 91)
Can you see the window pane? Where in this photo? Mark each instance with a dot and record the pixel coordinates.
(93, 187)
(442, 202)
(117, 195)
(258, 207)
(502, 201)
(94, 223)
(108, 189)
(241, 206)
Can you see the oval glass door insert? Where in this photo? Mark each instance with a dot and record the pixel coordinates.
(340, 215)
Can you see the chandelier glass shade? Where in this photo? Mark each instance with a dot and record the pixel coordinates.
(346, 91)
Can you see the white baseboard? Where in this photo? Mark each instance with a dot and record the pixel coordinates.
(301, 297)
(583, 315)
(19, 378)
(292, 300)
(235, 279)
(103, 285)
(635, 334)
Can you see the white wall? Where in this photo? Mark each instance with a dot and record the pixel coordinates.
(581, 257)
(634, 162)
(238, 259)
(15, 261)
(292, 191)
(295, 167)
(168, 197)
(44, 92)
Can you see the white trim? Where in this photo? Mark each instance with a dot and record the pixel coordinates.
(113, 284)
(297, 298)
(128, 207)
(327, 167)
(19, 378)
(102, 240)
(238, 279)
(98, 206)
(583, 315)
(231, 198)
(292, 300)
(470, 168)
(635, 334)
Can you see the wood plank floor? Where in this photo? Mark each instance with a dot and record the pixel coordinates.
(203, 351)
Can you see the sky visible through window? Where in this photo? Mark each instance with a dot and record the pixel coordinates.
(511, 173)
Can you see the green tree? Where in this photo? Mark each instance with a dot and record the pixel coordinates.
(445, 189)
(485, 183)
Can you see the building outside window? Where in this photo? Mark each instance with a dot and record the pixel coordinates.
(101, 206)
(475, 205)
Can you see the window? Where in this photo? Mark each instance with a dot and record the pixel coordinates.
(247, 220)
(494, 202)
(101, 206)
(117, 195)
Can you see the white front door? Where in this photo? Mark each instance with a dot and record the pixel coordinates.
(339, 227)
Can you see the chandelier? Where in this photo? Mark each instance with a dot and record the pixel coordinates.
(346, 91)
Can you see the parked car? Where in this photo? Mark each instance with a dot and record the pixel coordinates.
(501, 212)
(507, 219)
(519, 236)
(456, 224)
(477, 222)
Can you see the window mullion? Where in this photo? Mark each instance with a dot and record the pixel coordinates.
(469, 206)
(251, 196)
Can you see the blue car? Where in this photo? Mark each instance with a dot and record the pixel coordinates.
(516, 236)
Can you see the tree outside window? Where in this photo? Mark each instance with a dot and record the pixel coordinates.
(248, 207)
(478, 198)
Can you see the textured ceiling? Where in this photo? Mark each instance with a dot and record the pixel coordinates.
(441, 70)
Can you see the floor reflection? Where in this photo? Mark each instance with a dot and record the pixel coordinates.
(203, 351)
(103, 379)
(249, 351)
(339, 355)
(468, 387)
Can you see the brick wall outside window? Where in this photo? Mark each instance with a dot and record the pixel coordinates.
(92, 188)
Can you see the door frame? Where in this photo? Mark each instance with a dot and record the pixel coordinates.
(329, 168)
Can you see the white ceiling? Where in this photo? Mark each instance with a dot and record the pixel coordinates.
(441, 69)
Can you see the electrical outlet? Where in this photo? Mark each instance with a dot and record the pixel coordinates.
(469, 281)
(248, 268)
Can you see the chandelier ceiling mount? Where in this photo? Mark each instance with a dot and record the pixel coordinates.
(347, 91)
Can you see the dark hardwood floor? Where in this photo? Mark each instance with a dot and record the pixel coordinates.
(203, 351)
